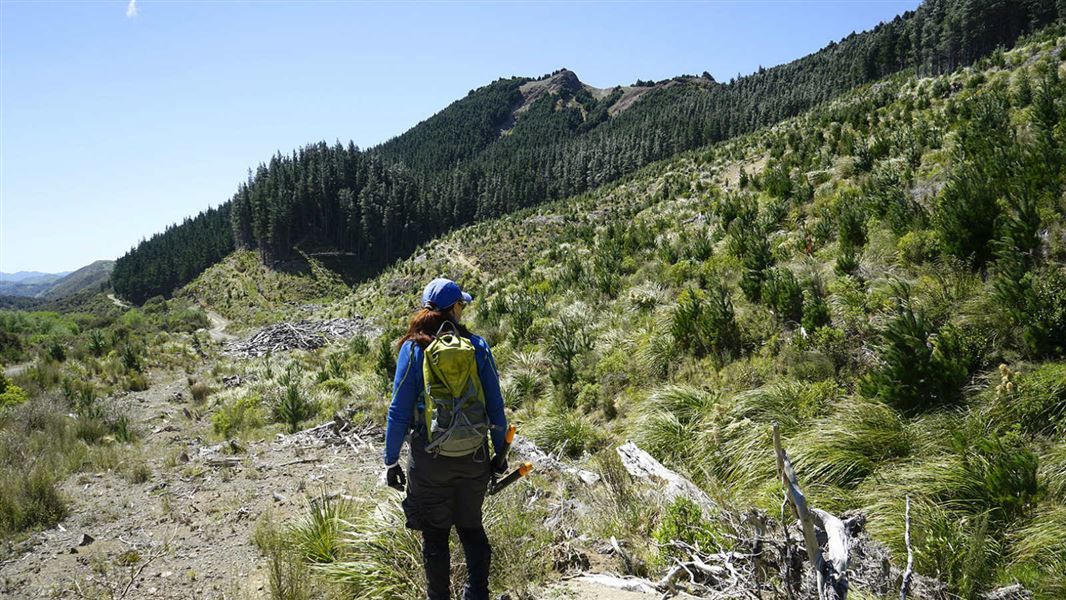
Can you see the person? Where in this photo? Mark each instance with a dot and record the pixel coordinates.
(446, 483)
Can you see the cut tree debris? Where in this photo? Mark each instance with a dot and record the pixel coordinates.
(299, 335)
(758, 560)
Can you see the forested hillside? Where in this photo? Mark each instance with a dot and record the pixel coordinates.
(883, 277)
(460, 165)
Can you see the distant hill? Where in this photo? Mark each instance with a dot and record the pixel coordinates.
(27, 283)
(54, 286)
(91, 277)
(30, 276)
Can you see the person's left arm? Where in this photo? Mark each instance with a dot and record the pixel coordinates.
(490, 384)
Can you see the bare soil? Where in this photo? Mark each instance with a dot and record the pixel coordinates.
(186, 531)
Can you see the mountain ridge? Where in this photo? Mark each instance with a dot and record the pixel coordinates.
(455, 168)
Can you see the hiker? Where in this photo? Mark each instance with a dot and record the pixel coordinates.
(449, 403)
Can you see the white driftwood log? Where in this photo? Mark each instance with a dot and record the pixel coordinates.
(831, 575)
(642, 465)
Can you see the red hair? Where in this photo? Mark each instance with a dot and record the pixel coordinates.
(425, 324)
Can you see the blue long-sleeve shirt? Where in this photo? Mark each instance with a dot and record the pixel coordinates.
(408, 385)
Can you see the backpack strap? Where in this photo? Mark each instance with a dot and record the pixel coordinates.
(447, 323)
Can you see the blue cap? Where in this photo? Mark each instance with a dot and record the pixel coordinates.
(442, 293)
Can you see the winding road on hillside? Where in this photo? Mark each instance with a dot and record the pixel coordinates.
(218, 327)
(117, 302)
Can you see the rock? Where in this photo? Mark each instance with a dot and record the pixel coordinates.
(86, 539)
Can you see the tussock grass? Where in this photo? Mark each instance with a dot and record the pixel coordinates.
(1038, 554)
(847, 446)
(383, 560)
(318, 534)
(558, 430)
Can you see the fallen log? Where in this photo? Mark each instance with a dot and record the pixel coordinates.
(643, 466)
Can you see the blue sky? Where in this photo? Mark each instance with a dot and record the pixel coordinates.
(117, 121)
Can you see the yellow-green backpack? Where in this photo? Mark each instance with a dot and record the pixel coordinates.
(456, 419)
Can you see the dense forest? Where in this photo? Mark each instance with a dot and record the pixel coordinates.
(466, 163)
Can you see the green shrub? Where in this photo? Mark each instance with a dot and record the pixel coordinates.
(748, 242)
(568, 338)
(703, 324)
(10, 394)
(235, 416)
(683, 521)
(918, 370)
(782, 294)
(1043, 317)
(815, 311)
(916, 247)
(293, 407)
(850, 216)
(847, 262)
(968, 208)
(131, 358)
(57, 352)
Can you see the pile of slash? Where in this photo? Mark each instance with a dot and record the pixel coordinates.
(299, 335)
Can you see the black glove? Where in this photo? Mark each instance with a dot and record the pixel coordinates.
(395, 477)
(499, 464)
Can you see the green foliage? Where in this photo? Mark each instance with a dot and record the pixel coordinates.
(1036, 400)
(10, 394)
(386, 360)
(918, 370)
(567, 339)
(57, 352)
(967, 211)
(293, 407)
(703, 324)
(564, 432)
(237, 415)
(682, 521)
(131, 358)
(815, 311)
(916, 247)
(782, 294)
(318, 534)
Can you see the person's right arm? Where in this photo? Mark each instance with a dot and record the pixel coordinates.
(406, 387)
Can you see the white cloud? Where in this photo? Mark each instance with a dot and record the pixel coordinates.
(131, 9)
